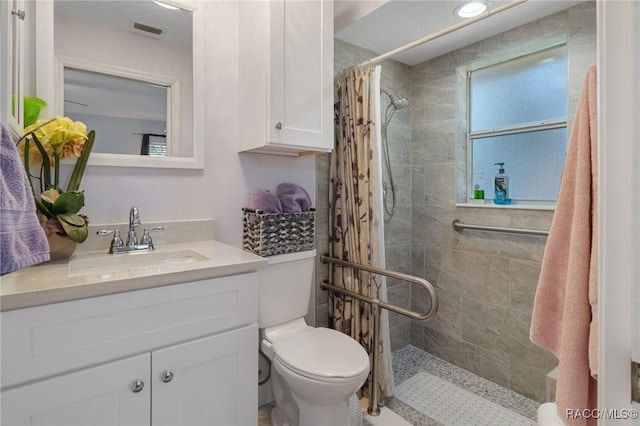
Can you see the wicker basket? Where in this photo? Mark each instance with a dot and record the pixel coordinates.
(271, 234)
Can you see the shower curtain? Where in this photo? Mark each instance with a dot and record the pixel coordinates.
(355, 210)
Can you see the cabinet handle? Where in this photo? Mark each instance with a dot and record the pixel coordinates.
(167, 376)
(137, 386)
(279, 125)
(20, 14)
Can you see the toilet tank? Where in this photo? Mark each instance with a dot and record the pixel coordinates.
(285, 287)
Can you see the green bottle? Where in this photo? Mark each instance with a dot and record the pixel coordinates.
(478, 187)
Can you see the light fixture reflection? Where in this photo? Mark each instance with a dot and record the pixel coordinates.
(471, 9)
(165, 5)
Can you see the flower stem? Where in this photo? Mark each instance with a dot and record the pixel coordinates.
(56, 173)
(26, 165)
(44, 168)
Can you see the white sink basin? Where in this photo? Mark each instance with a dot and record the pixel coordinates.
(113, 263)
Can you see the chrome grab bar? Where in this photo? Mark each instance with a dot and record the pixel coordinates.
(458, 225)
(391, 274)
(376, 304)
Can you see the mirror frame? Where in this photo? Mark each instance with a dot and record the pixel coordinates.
(46, 89)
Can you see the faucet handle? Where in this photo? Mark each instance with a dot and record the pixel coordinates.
(146, 236)
(116, 242)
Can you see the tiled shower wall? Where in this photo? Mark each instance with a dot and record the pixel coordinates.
(485, 281)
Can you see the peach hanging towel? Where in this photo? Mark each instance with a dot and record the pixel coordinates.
(566, 303)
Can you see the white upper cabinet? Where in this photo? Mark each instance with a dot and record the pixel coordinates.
(12, 16)
(286, 76)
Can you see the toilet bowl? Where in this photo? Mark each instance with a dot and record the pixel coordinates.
(314, 371)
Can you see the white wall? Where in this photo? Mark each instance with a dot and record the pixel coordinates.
(223, 187)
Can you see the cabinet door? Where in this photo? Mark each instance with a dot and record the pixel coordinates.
(102, 395)
(209, 381)
(12, 16)
(301, 75)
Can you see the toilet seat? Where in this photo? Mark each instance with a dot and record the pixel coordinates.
(322, 354)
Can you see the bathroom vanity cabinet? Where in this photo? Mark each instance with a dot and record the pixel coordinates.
(171, 355)
(286, 76)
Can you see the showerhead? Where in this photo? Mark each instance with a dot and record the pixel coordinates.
(398, 104)
(401, 103)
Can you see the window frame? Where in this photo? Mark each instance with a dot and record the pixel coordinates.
(528, 127)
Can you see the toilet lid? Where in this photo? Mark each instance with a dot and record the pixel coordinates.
(323, 353)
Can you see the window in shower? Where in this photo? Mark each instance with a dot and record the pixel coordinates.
(517, 115)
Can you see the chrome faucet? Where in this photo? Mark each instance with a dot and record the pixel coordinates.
(117, 245)
(134, 221)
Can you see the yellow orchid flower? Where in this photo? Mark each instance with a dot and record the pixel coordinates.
(58, 133)
(49, 142)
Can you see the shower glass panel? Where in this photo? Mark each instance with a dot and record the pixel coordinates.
(534, 162)
(525, 90)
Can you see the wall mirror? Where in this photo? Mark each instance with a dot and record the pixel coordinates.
(132, 71)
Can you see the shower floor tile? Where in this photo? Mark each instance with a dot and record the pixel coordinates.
(409, 361)
(452, 405)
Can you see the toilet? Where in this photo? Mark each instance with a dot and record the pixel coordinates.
(314, 371)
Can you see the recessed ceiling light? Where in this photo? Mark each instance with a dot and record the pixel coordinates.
(471, 9)
(163, 4)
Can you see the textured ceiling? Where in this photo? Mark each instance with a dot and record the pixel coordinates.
(399, 22)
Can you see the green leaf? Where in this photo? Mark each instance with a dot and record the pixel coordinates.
(81, 163)
(69, 202)
(74, 226)
(32, 108)
(71, 219)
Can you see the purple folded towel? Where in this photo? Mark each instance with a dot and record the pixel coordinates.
(266, 201)
(22, 240)
(294, 198)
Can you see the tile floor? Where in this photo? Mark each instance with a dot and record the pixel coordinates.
(410, 360)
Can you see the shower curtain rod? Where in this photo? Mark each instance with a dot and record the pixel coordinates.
(436, 35)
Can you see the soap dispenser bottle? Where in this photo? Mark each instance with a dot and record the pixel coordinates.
(501, 185)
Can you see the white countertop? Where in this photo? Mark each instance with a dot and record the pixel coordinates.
(51, 282)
